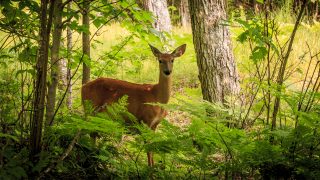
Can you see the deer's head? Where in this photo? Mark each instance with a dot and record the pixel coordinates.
(166, 60)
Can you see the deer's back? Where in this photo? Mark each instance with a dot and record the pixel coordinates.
(104, 91)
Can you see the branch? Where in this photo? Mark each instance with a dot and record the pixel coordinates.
(80, 6)
(69, 18)
(97, 8)
(65, 3)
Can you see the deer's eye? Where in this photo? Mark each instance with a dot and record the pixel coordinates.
(160, 61)
(172, 61)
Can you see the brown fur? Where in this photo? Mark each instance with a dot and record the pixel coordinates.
(104, 91)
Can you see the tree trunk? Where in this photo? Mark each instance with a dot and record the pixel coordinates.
(255, 6)
(236, 3)
(69, 49)
(41, 79)
(184, 13)
(86, 41)
(56, 40)
(63, 73)
(160, 12)
(316, 10)
(217, 69)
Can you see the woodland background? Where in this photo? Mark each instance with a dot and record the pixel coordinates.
(259, 122)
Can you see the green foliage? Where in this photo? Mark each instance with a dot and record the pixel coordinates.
(254, 32)
(14, 167)
(289, 143)
(9, 90)
(19, 15)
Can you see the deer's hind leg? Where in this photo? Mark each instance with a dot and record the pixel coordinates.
(150, 159)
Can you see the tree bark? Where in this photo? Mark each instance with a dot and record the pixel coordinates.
(63, 73)
(55, 64)
(184, 13)
(160, 12)
(217, 69)
(316, 10)
(41, 79)
(69, 49)
(86, 41)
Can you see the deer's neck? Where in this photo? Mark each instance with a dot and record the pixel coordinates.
(164, 88)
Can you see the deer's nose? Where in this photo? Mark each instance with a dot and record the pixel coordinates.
(167, 72)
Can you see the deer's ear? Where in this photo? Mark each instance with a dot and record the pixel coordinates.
(155, 51)
(179, 51)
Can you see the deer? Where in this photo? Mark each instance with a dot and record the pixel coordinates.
(105, 91)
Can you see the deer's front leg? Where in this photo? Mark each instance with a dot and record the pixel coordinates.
(150, 154)
(150, 159)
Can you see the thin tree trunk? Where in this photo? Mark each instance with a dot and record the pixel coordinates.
(184, 13)
(217, 69)
(56, 40)
(255, 5)
(161, 14)
(267, 5)
(86, 41)
(316, 10)
(69, 49)
(63, 73)
(41, 79)
(236, 3)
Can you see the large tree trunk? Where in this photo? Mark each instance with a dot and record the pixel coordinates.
(160, 12)
(86, 41)
(217, 69)
(56, 40)
(41, 79)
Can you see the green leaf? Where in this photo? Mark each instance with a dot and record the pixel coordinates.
(243, 36)
(299, 70)
(9, 136)
(4, 64)
(30, 71)
(258, 53)
(5, 56)
(98, 22)
(18, 172)
(86, 59)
